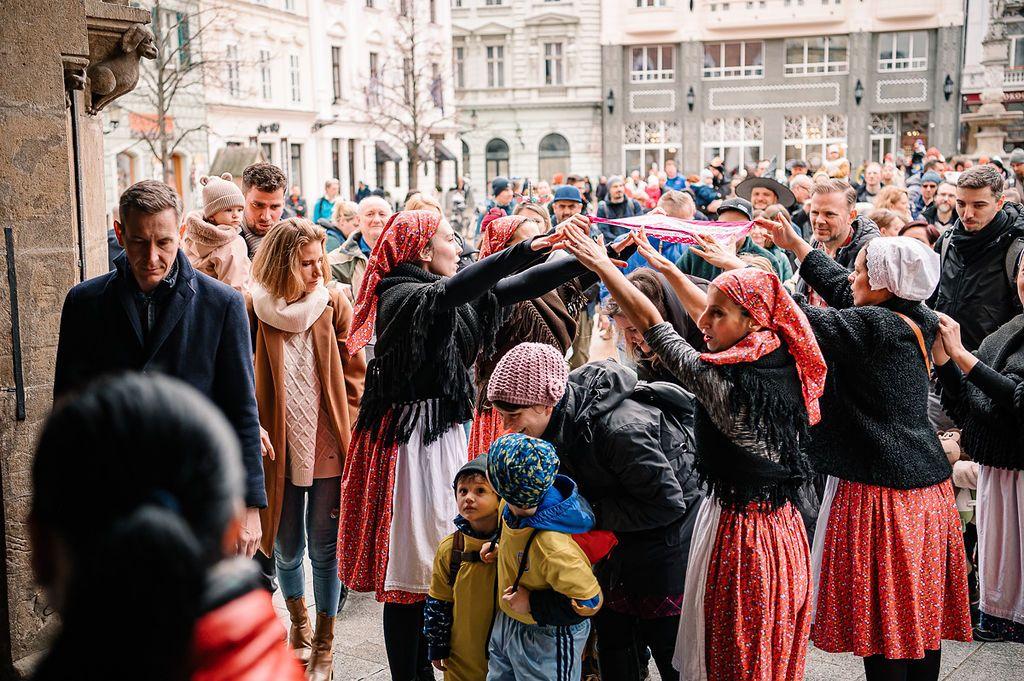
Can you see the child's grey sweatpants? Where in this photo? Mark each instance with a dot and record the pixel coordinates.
(534, 652)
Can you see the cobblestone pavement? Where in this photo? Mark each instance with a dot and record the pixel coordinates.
(359, 636)
(359, 651)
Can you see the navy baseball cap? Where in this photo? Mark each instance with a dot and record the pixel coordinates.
(567, 193)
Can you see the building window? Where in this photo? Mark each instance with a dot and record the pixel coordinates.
(268, 151)
(650, 3)
(289, 5)
(373, 88)
(266, 89)
(553, 72)
(433, 11)
(1016, 52)
(734, 60)
(810, 56)
(233, 68)
(127, 171)
(553, 156)
(336, 72)
(459, 66)
(652, 62)
(465, 158)
(883, 136)
(648, 142)
(493, 3)
(336, 157)
(293, 70)
(808, 137)
(738, 140)
(496, 157)
(295, 165)
(903, 51)
(495, 66)
(456, 3)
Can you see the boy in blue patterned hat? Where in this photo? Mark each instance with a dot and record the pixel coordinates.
(538, 559)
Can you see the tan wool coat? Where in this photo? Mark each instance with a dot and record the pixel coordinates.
(341, 388)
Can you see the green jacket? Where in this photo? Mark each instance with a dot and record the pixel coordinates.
(348, 263)
(693, 264)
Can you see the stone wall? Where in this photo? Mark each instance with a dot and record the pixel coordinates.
(42, 46)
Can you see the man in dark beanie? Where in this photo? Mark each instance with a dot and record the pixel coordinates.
(502, 197)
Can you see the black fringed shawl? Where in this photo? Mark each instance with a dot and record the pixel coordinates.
(422, 357)
(993, 434)
(769, 392)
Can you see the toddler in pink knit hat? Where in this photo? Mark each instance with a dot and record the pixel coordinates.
(213, 242)
(526, 385)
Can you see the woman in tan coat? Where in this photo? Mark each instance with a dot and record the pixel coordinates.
(308, 389)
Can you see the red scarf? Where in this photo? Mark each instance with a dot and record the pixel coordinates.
(761, 294)
(406, 234)
(498, 232)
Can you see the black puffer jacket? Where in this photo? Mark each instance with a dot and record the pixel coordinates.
(864, 230)
(629, 446)
(978, 294)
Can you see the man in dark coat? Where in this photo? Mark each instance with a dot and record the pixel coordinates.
(978, 256)
(155, 313)
(629, 446)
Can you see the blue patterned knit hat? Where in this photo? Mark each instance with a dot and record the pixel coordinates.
(521, 469)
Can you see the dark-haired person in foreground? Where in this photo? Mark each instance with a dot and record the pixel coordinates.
(155, 314)
(148, 562)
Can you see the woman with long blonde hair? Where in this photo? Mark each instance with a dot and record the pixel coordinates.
(308, 387)
(895, 199)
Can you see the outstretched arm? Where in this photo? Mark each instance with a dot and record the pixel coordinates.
(475, 279)
(693, 298)
(634, 304)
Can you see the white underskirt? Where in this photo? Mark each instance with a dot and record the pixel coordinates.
(820, 528)
(1000, 518)
(423, 506)
(689, 659)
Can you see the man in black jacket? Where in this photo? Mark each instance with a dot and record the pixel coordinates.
(629, 446)
(154, 313)
(979, 254)
(836, 228)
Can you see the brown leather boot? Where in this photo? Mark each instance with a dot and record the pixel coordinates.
(300, 635)
(321, 662)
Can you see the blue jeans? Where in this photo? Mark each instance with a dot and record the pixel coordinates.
(317, 520)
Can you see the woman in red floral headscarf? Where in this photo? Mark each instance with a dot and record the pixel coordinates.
(549, 318)
(747, 599)
(408, 441)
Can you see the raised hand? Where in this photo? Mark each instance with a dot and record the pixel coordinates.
(781, 231)
(592, 254)
(656, 260)
(717, 255)
(949, 330)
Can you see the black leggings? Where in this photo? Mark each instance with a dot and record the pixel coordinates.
(404, 642)
(622, 640)
(878, 668)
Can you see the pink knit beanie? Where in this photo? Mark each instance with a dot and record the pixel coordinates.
(220, 193)
(529, 374)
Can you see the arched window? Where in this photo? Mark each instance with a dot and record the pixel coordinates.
(465, 159)
(127, 171)
(496, 154)
(553, 156)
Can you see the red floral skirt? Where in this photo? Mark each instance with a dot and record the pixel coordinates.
(757, 602)
(893, 572)
(487, 428)
(367, 491)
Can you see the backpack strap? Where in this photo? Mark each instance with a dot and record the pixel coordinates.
(920, 340)
(523, 563)
(455, 560)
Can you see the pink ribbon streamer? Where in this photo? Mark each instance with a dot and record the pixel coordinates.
(679, 231)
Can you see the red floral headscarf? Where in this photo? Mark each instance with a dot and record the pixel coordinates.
(405, 235)
(498, 232)
(761, 294)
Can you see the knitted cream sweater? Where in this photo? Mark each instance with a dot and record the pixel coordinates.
(312, 449)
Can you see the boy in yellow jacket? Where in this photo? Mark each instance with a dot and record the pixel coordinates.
(460, 606)
(538, 560)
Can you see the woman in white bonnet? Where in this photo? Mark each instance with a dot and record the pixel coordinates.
(889, 560)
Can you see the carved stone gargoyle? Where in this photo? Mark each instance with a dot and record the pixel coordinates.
(119, 72)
